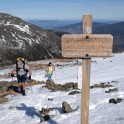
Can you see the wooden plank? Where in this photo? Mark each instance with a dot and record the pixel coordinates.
(86, 45)
(85, 90)
(87, 24)
(85, 94)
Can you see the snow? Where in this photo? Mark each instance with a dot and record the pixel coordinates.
(3, 38)
(26, 108)
(25, 28)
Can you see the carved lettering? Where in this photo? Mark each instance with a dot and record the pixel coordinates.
(93, 46)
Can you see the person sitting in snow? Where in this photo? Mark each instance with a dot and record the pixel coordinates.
(49, 70)
(12, 89)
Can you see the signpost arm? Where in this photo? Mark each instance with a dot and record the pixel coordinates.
(87, 29)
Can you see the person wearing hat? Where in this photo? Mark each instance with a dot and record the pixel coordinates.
(21, 69)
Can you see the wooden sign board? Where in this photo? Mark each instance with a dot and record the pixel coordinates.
(86, 45)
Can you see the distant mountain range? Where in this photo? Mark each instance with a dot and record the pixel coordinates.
(51, 24)
(21, 39)
(116, 29)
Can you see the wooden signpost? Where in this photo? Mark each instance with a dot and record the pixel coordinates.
(86, 46)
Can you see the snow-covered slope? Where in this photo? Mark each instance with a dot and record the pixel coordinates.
(25, 108)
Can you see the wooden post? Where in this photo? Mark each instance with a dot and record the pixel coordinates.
(87, 24)
(87, 29)
(86, 46)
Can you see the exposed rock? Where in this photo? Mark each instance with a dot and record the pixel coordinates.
(66, 107)
(74, 92)
(45, 111)
(101, 85)
(50, 99)
(71, 85)
(50, 84)
(119, 100)
(3, 100)
(66, 87)
(34, 82)
(115, 101)
(59, 87)
(45, 118)
(114, 81)
(11, 107)
(111, 90)
(46, 114)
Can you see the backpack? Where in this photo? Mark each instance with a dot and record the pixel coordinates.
(17, 65)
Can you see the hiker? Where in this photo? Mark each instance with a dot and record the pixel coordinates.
(49, 70)
(21, 69)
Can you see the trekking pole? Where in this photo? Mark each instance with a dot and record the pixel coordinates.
(12, 83)
(55, 74)
(31, 87)
(11, 87)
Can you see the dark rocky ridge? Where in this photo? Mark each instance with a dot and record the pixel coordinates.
(19, 38)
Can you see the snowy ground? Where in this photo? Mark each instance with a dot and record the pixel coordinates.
(25, 108)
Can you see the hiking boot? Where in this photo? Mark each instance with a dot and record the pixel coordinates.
(23, 93)
(21, 90)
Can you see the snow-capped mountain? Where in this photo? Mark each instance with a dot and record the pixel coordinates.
(19, 38)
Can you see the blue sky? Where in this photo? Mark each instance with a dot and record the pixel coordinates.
(63, 9)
